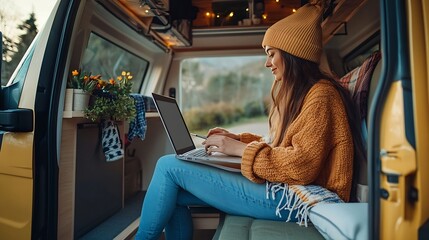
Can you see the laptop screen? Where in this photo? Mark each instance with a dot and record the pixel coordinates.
(174, 123)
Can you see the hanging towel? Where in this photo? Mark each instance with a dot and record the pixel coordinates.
(300, 198)
(110, 140)
(138, 125)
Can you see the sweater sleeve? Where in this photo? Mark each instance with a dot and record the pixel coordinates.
(306, 145)
(249, 137)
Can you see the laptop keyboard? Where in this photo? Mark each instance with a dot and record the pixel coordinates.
(200, 153)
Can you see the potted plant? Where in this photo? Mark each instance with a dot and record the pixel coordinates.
(111, 102)
(82, 84)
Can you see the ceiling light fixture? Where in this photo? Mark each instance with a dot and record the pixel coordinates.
(150, 9)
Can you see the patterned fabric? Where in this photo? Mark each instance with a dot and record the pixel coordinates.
(358, 80)
(300, 198)
(138, 125)
(110, 140)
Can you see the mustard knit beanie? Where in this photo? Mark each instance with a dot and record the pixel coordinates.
(299, 34)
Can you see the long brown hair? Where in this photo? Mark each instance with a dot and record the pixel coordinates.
(288, 96)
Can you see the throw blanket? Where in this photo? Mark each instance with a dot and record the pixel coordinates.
(138, 125)
(300, 198)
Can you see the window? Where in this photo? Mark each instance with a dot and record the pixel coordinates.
(229, 92)
(109, 60)
(12, 92)
(362, 52)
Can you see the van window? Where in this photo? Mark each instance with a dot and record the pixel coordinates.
(104, 57)
(230, 92)
(12, 92)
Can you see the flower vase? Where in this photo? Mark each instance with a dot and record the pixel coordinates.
(80, 99)
(68, 100)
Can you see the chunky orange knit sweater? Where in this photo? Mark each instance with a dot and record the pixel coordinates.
(317, 147)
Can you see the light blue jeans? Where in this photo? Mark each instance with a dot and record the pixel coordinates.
(177, 184)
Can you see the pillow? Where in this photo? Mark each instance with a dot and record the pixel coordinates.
(341, 220)
(358, 81)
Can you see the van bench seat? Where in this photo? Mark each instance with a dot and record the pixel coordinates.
(245, 228)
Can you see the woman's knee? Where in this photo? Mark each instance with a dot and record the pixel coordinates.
(167, 162)
(164, 161)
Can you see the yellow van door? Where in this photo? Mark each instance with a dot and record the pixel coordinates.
(399, 207)
(16, 163)
(416, 209)
(29, 109)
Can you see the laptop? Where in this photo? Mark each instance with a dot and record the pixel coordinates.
(181, 139)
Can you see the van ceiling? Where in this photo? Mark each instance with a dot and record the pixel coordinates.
(217, 13)
(186, 25)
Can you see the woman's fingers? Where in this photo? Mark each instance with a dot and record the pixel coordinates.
(217, 130)
(224, 144)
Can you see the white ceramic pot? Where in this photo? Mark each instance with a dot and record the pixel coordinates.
(80, 100)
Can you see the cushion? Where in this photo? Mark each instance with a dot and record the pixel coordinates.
(358, 81)
(245, 228)
(273, 230)
(341, 220)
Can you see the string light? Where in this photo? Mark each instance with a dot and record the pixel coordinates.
(207, 14)
(231, 14)
(294, 10)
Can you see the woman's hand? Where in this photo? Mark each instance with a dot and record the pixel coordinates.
(224, 144)
(223, 132)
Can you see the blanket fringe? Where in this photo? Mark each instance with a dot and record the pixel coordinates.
(300, 198)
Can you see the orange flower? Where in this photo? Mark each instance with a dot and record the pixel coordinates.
(112, 81)
(75, 73)
(101, 83)
(96, 77)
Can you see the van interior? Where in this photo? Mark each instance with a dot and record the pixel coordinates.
(162, 36)
(166, 45)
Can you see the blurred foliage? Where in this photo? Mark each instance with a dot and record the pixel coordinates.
(14, 50)
(220, 114)
(222, 91)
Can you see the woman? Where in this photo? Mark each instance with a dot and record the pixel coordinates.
(314, 139)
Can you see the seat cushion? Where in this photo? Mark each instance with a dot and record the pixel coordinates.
(341, 221)
(236, 227)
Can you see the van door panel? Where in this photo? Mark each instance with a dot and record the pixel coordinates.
(398, 167)
(403, 126)
(16, 184)
(28, 163)
(418, 19)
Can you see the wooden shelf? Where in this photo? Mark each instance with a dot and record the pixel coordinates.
(80, 114)
(72, 114)
(152, 114)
